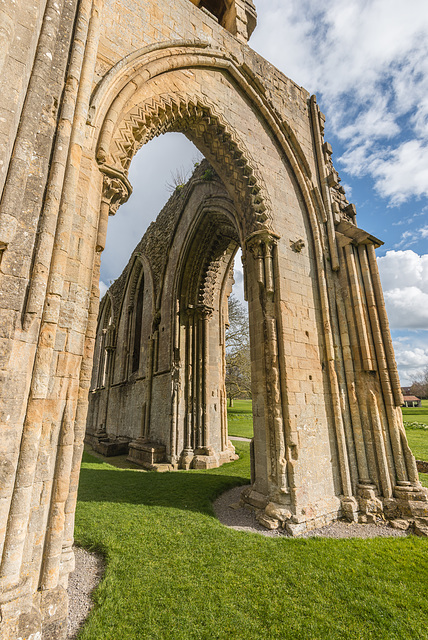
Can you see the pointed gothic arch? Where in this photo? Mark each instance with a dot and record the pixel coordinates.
(201, 290)
(104, 339)
(329, 438)
(130, 118)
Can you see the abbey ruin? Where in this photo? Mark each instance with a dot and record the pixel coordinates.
(85, 84)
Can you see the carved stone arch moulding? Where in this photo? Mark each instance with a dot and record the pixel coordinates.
(202, 123)
(128, 76)
(222, 209)
(135, 277)
(107, 310)
(204, 253)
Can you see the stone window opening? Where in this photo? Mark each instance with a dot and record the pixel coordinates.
(237, 16)
(101, 360)
(216, 7)
(136, 349)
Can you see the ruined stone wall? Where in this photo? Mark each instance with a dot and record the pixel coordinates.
(164, 265)
(87, 84)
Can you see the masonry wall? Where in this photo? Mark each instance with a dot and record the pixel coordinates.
(83, 87)
(116, 408)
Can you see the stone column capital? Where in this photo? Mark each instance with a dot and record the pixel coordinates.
(261, 243)
(116, 188)
(204, 311)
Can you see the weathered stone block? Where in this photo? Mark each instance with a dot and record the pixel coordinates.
(146, 454)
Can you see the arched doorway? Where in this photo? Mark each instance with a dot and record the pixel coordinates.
(218, 141)
(203, 284)
(166, 377)
(329, 438)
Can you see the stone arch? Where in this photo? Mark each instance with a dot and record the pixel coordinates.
(105, 338)
(103, 367)
(121, 131)
(200, 274)
(125, 123)
(197, 119)
(130, 74)
(201, 290)
(138, 319)
(313, 282)
(137, 279)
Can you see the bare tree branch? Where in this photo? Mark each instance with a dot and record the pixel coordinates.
(238, 360)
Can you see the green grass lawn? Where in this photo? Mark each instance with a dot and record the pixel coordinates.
(240, 423)
(418, 442)
(173, 571)
(240, 419)
(412, 416)
(417, 437)
(416, 414)
(241, 406)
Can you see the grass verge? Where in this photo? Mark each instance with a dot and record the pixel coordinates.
(173, 571)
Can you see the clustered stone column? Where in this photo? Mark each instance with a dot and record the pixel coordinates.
(261, 246)
(197, 451)
(387, 462)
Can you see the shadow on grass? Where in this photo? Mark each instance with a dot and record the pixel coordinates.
(186, 490)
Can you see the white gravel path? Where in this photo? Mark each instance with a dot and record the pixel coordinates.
(228, 511)
(86, 576)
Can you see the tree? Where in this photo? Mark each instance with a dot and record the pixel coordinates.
(238, 360)
(419, 387)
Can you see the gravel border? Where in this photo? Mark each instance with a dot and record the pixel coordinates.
(82, 581)
(231, 514)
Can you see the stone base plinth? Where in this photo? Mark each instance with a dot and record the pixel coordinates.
(408, 508)
(40, 616)
(110, 448)
(205, 462)
(107, 446)
(149, 455)
(208, 458)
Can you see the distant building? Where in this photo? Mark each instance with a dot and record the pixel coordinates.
(411, 401)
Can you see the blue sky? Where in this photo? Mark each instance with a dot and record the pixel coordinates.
(367, 61)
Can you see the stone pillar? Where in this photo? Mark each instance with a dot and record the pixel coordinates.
(261, 247)
(187, 453)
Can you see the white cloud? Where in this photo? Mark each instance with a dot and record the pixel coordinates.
(400, 173)
(410, 237)
(403, 172)
(411, 354)
(404, 276)
(150, 171)
(400, 269)
(238, 277)
(369, 61)
(103, 288)
(407, 308)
